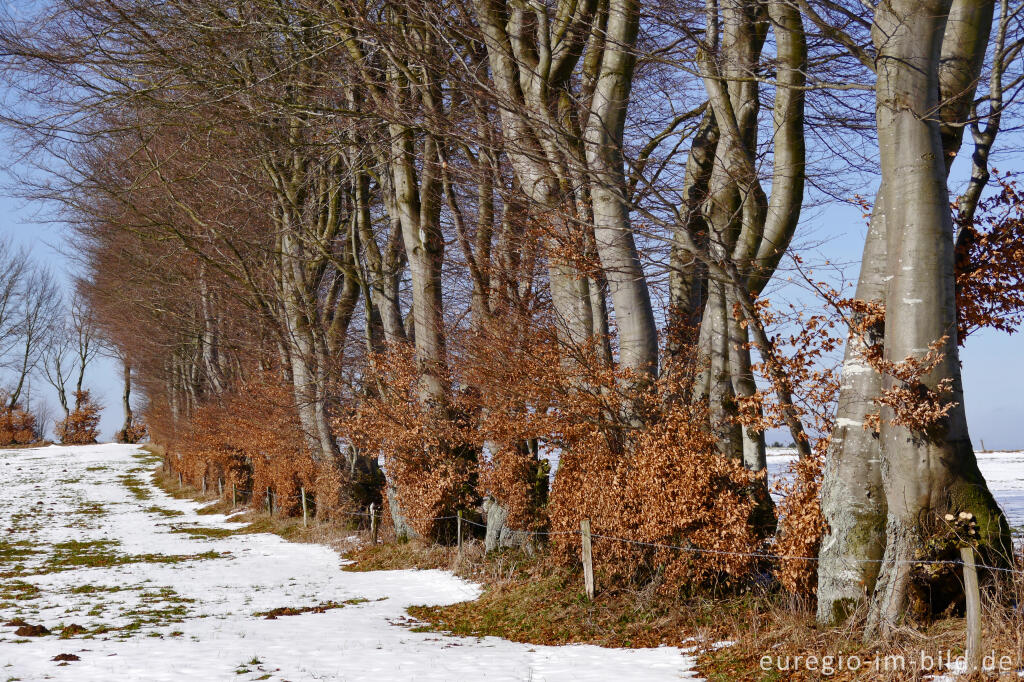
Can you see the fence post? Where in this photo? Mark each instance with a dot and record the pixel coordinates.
(220, 487)
(305, 513)
(458, 529)
(373, 521)
(972, 648)
(180, 485)
(588, 559)
(234, 495)
(270, 509)
(204, 485)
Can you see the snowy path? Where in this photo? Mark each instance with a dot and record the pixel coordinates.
(86, 540)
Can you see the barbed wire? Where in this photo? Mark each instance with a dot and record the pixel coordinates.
(690, 549)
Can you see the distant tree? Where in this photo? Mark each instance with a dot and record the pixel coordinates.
(81, 425)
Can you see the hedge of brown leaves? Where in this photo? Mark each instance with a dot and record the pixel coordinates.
(663, 484)
(17, 426)
(251, 439)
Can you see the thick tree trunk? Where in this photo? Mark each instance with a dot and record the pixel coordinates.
(634, 316)
(307, 372)
(852, 499)
(932, 471)
(125, 434)
(687, 277)
(415, 202)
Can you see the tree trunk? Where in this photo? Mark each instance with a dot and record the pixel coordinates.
(931, 471)
(852, 499)
(308, 380)
(634, 316)
(125, 434)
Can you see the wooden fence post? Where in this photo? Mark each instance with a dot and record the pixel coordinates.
(458, 530)
(588, 559)
(220, 487)
(270, 509)
(972, 648)
(234, 496)
(180, 485)
(305, 512)
(204, 485)
(373, 521)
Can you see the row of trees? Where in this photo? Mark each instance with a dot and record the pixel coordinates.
(464, 237)
(44, 340)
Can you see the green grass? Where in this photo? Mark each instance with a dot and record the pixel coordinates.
(17, 590)
(13, 551)
(169, 513)
(101, 554)
(319, 608)
(91, 509)
(207, 533)
(137, 488)
(93, 589)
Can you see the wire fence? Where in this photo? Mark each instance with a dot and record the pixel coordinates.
(766, 556)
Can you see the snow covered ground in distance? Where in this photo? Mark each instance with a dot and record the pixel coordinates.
(159, 592)
(1003, 471)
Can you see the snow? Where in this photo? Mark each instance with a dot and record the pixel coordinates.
(1003, 471)
(190, 609)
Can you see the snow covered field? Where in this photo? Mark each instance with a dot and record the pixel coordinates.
(1003, 471)
(87, 541)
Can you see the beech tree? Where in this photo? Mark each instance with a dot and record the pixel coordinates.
(328, 235)
(897, 317)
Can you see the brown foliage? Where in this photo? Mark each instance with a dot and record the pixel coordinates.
(80, 426)
(17, 426)
(801, 523)
(427, 449)
(990, 264)
(251, 438)
(636, 468)
(135, 433)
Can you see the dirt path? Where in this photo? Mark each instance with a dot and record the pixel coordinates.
(136, 586)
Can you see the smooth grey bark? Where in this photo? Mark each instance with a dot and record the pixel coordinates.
(384, 268)
(528, 83)
(417, 203)
(984, 128)
(934, 471)
(126, 403)
(613, 233)
(747, 228)
(964, 42)
(498, 534)
(753, 453)
(687, 285)
(303, 352)
(852, 499)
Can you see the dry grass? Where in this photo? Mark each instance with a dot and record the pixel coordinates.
(335, 535)
(531, 598)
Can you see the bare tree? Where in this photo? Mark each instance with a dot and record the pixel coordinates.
(58, 364)
(37, 309)
(14, 269)
(85, 339)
